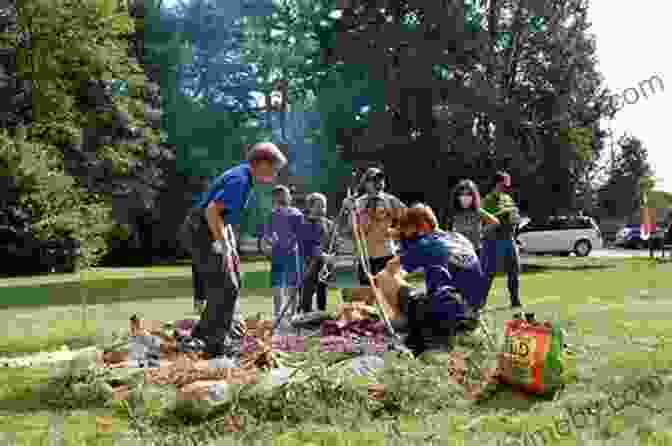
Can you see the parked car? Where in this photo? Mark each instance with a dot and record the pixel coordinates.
(630, 236)
(560, 235)
(21, 253)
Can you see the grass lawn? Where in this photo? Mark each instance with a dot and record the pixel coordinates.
(43, 316)
(616, 312)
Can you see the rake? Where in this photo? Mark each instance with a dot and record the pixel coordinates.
(364, 260)
(325, 272)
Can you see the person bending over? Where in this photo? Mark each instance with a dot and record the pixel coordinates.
(454, 280)
(207, 234)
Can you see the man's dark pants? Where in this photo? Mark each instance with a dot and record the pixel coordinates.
(313, 285)
(220, 278)
(501, 256)
(197, 282)
(424, 331)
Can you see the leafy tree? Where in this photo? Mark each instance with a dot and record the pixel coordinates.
(210, 106)
(58, 206)
(628, 177)
(94, 142)
(494, 92)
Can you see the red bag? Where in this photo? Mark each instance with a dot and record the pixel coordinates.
(531, 356)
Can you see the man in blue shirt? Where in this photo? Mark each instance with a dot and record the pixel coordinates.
(207, 233)
(453, 278)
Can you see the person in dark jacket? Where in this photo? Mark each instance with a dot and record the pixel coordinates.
(454, 280)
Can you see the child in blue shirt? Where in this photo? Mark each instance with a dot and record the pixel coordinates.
(453, 277)
(283, 233)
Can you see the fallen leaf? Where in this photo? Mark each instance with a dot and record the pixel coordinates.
(120, 393)
(103, 424)
(229, 424)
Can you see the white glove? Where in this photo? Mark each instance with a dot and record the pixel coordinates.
(266, 246)
(221, 247)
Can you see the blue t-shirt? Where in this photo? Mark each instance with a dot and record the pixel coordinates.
(287, 223)
(447, 259)
(233, 189)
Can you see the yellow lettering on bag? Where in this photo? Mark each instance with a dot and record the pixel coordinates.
(521, 349)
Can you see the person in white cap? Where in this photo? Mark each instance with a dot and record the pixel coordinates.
(208, 235)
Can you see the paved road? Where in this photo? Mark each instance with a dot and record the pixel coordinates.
(619, 252)
(611, 253)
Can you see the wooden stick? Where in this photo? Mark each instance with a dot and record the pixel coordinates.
(380, 299)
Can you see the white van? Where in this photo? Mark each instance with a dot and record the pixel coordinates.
(560, 235)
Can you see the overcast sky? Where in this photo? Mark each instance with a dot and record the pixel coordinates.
(630, 49)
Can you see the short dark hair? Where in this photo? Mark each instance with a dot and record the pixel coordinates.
(501, 176)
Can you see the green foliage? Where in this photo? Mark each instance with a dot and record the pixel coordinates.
(646, 184)
(76, 388)
(660, 199)
(71, 41)
(59, 206)
(629, 176)
(581, 140)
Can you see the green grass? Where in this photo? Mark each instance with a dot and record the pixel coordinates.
(44, 316)
(110, 286)
(25, 420)
(611, 308)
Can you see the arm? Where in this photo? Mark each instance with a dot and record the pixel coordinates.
(215, 220)
(299, 228)
(338, 242)
(487, 217)
(489, 204)
(398, 207)
(394, 234)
